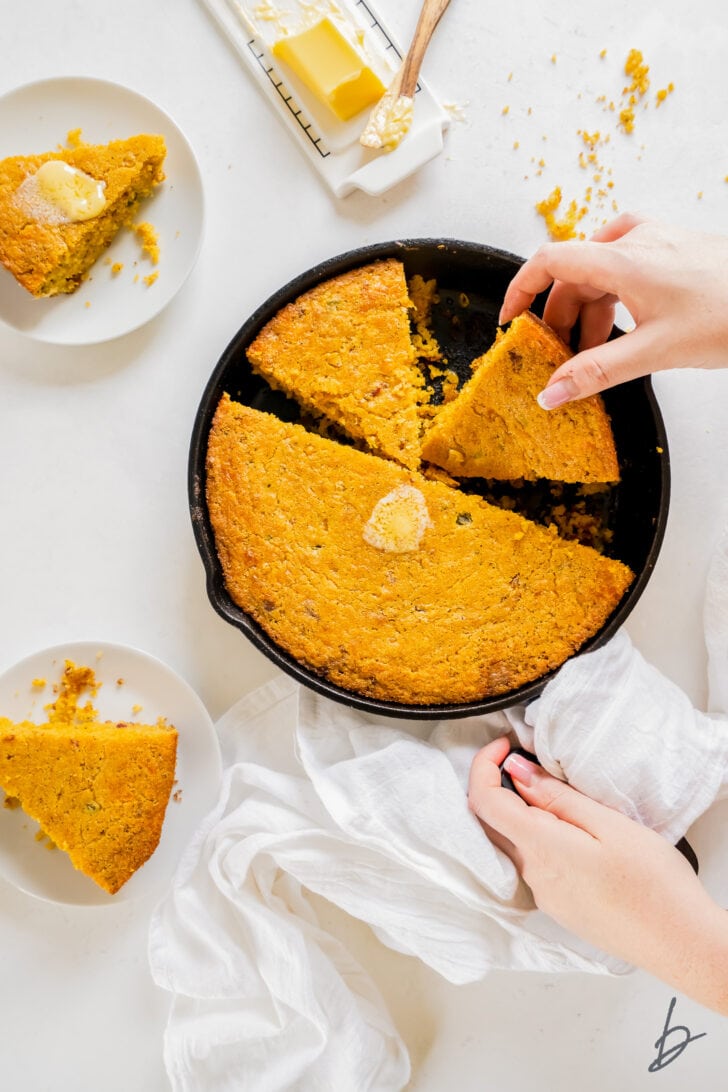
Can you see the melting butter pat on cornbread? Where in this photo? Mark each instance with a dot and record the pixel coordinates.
(398, 521)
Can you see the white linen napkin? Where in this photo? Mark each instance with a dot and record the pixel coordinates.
(372, 815)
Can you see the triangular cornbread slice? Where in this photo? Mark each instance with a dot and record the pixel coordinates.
(52, 258)
(98, 790)
(388, 584)
(343, 351)
(495, 428)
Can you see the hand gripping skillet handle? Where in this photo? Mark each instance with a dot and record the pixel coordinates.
(507, 782)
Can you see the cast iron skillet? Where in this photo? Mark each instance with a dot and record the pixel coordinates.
(465, 325)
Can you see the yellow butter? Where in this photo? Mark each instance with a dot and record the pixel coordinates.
(59, 193)
(331, 68)
(77, 194)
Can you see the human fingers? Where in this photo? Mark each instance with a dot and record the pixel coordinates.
(569, 303)
(598, 368)
(589, 264)
(540, 790)
(499, 809)
(618, 227)
(485, 768)
(596, 320)
(485, 779)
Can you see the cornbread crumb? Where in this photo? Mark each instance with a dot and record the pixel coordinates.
(73, 138)
(563, 227)
(38, 683)
(116, 269)
(148, 239)
(663, 93)
(150, 279)
(423, 294)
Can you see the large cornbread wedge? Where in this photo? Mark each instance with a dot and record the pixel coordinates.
(98, 790)
(49, 259)
(343, 351)
(480, 602)
(495, 428)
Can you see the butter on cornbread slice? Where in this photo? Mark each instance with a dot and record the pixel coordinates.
(386, 583)
(494, 428)
(98, 789)
(49, 254)
(343, 351)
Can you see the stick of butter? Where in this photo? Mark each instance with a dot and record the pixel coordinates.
(331, 68)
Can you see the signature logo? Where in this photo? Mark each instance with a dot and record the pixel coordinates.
(666, 1054)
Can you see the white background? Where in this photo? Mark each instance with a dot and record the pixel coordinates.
(96, 540)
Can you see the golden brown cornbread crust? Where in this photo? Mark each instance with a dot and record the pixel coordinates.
(98, 789)
(495, 428)
(48, 259)
(343, 350)
(487, 603)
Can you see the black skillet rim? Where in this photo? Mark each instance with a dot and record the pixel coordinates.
(204, 538)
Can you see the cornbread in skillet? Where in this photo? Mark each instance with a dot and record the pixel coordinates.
(386, 583)
(495, 428)
(98, 789)
(343, 351)
(49, 254)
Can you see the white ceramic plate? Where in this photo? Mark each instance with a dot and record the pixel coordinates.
(37, 118)
(47, 873)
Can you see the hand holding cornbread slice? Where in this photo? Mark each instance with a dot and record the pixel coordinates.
(673, 282)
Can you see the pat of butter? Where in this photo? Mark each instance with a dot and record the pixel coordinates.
(398, 521)
(331, 68)
(58, 193)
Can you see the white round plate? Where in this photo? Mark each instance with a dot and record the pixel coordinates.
(47, 873)
(37, 118)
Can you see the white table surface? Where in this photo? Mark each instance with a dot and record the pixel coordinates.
(96, 540)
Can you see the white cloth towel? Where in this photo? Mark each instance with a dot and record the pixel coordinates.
(372, 815)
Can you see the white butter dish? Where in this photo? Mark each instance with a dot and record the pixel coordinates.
(331, 146)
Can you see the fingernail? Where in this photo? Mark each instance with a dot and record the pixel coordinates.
(556, 394)
(520, 768)
(501, 315)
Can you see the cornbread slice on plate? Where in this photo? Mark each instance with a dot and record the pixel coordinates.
(343, 351)
(48, 257)
(98, 789)
(386, 583)
(495, 428)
